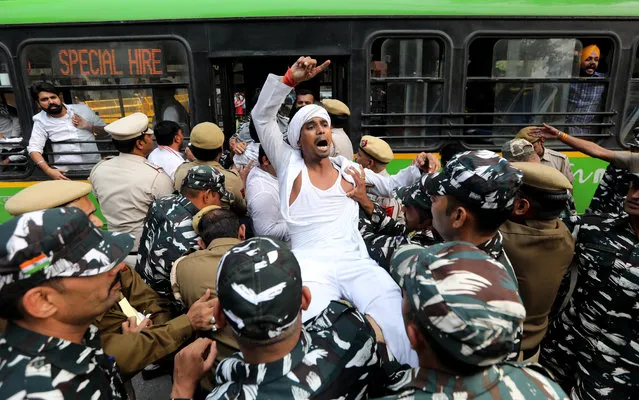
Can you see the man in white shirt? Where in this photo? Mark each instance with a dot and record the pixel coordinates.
(167, 155)
(59, 122)
(263, 200)
(322, 219)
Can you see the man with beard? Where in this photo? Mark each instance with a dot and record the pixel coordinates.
(586, 97)
(314, 201)
(59, 122)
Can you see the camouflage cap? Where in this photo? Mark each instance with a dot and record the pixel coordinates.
(517, 148)
(481, 178)
(58, 242)
(461, 298)
(415, 195)
(204, 177)
(259, 284)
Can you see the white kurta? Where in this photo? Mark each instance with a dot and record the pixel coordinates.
(324, 230)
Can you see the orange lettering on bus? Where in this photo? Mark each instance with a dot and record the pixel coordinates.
(155, 55)
(134, 60)
(114, 63)
(97, 71)
(73, 59)
(146, 60)
(83, 56)
(62, 56)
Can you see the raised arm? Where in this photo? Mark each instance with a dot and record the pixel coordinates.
(585, 146)
(384, 185)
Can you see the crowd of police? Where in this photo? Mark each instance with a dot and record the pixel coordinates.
(281, 268)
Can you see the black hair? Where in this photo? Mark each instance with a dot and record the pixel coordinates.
(165, 132)
(205, 154)
(487, 221)
(339, 121)
(449, 150)
(126, 146)
(38, 87)
(544, 204)
(304, 92)
(261, 154)
(218, 223)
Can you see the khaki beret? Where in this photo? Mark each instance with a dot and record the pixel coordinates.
(207, 136)
(524, 133)
(47, 194)
(542, 176)
(200, 214)
(376, 148)
(335, 107)
(129, 127)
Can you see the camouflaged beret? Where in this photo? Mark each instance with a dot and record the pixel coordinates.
(129, 127)
(207, 136)
(542, 176)
(480, 178)
(259, 284)
(205, 177)
(46, 194)
(58, 242)
(517, 148)
(376, 148)
(524, 133)
(415, 196)
(461, 298)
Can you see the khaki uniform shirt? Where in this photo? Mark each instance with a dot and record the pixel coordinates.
(540, 253)
(232, 182)
(558, 161)
(125, 186)
(193, 273)
(133, 351)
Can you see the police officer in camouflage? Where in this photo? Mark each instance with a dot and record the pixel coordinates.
(383, 234)
(462, 312)
(168, 228)
(591, 348)
(58, 273)
(337, 354)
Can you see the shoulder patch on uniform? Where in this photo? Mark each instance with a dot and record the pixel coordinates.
(155, 167)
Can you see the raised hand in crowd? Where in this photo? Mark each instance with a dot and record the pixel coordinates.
(237, 146)
(191, 364)
(132, 326)
(244, 171)
(545, 131)
(201, 312)
(427, 162)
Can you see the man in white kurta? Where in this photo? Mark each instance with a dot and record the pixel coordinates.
(323, 224)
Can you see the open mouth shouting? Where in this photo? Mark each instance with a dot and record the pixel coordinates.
(322, 144)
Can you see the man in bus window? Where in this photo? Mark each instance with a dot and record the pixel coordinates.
(586, 97)
(63, 124)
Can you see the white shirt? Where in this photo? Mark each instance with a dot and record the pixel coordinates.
(167, 158)
(263, 201)
(62, 129)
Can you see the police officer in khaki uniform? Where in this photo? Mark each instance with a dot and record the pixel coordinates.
(540, 247)
(206, 145)
(140, 308)
(375, 154)
(126, 185)
(339, 113)
(547, 156)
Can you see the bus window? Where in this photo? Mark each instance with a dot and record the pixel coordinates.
(512, 83)
(13, 160)
(630, 130)
(115, 79)
(406, 85)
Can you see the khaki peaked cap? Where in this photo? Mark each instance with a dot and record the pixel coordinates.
(47, 194)
(377, 149)
(542, 176)
(336, 107)
(207, 136)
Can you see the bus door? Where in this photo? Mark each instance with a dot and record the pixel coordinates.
(238, 81)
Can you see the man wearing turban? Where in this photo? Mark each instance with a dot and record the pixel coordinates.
(586, 97)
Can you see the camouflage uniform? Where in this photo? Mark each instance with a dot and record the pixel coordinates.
(37, 247)
(467, 304)
(336, 356)
(168, 230)
(591, 346)
(611, 193)
(383, 234)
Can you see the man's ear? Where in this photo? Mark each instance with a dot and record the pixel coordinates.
(306, 298)
(459, 217)
(415, 337)
(521, 207)
(241, 233)
(40, 302)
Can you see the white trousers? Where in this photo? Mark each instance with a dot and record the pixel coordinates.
(369, 288)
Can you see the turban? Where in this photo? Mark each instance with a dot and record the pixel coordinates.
(588, 51)
(304, 115)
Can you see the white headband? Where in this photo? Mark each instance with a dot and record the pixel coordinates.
(304, 115)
